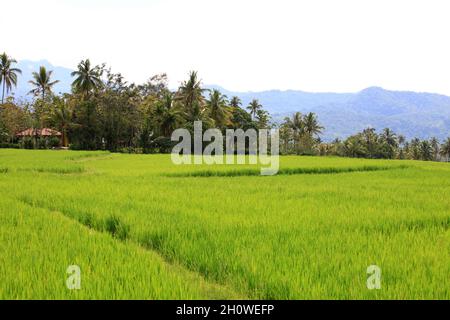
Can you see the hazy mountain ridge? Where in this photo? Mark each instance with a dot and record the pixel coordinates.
(413, 114)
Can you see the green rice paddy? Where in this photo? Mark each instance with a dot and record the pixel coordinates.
(140, 227)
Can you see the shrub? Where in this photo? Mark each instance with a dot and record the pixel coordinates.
(6, 145)
(27, 143)
(76, 146)
(53, 142)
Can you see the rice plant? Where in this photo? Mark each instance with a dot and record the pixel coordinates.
(141, 227)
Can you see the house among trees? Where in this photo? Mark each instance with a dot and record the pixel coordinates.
(44, 132)
(44, 136)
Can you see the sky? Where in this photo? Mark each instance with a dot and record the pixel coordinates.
(243, 45)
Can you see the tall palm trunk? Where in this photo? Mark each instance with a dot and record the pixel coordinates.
(65, 141)
(3, 94)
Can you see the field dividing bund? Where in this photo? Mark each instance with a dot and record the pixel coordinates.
(142, 228)
(284, 171)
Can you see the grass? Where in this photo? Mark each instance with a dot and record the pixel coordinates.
(206, 232)
(37, 247)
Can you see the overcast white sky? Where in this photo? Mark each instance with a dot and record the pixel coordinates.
(312, 45)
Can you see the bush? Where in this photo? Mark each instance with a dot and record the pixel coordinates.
(6, 145)
(75, 146)
(53, 142)
(163, 145)
(27, 143)
(131, 150)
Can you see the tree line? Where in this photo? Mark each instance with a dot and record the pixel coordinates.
(296, 139)
(105, 112)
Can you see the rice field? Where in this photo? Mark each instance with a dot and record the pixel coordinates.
(140, 227)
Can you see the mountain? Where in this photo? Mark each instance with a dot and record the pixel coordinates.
(277, 101)
(412, 114)
(28, 67)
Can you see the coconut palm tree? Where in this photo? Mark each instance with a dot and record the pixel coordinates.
(8, 74)
(371, 141)
(63, 120)
(435, 146)
(414, 149)
(389, 143)
(263, 118)
(235, 102)
(401, 139)
(190, 93)
(217, 105)
(297, 126)
(296, 123)
(167, 116)
(354, 148)
(402, 150)
(389, 137)
(253, 107)
(42, 82)
(87, 78)
(426, 150)
(311, 124)
(445, 149)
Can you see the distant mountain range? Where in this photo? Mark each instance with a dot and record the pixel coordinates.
(412, 114)
(422, 115)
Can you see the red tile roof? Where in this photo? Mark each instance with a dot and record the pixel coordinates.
(44, 132)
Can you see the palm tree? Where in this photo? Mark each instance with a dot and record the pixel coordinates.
(297, 126)
(235, 102)
(435, 146)
(311, 124)
(63, 120)
(414, 149)
(354, 148)
(370, 140)
(426, 150)
(253, 107)
(191, 93)
(445, 149)
(87, 78)
(217, 105)
(401, 139)
(389, 137)
(42, 82)
(402, 146)
(167, 116)
(390, 143)
(263, 118)
(296, 123)
(8, 74)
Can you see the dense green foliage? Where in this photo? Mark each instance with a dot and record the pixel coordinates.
(387, 145)
(141, 227)
(104, 112)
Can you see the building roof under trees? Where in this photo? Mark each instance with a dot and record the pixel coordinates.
(44, 132)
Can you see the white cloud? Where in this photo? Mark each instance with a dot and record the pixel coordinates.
(320, 45)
